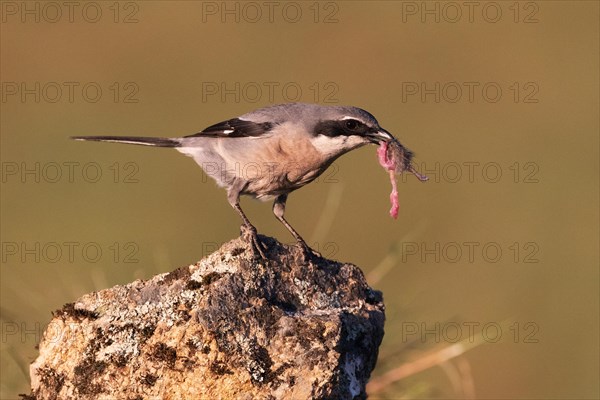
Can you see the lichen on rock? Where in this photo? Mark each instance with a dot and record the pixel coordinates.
(227, 327)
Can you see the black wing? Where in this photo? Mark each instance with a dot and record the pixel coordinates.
(235, 128)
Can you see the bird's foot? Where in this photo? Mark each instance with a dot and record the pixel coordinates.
(307, 253)
(250, 235)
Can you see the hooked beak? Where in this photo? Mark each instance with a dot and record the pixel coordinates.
(380, 136)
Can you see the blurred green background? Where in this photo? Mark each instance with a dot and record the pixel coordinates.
(503, 239)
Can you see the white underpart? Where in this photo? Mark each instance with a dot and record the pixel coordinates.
(212, 166)
(195, 152)
(331, 146)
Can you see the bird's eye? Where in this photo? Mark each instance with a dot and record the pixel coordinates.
(351, 124)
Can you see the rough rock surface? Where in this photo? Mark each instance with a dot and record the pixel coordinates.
(227, 327)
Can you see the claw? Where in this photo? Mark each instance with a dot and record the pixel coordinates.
(250, 235)
(307, 253)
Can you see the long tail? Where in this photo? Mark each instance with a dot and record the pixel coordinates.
(144, 141)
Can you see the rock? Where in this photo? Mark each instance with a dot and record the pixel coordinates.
(227, 327)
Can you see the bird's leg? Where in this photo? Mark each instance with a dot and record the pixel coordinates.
(248, 230)
(249, 233)
(279, 210)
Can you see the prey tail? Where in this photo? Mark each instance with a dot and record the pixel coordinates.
(145, 141)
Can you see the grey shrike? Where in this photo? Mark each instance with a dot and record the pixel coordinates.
(272, 151)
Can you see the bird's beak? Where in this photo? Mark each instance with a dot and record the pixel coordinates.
(380, 136)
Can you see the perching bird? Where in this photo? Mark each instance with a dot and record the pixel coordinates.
(272, 151)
